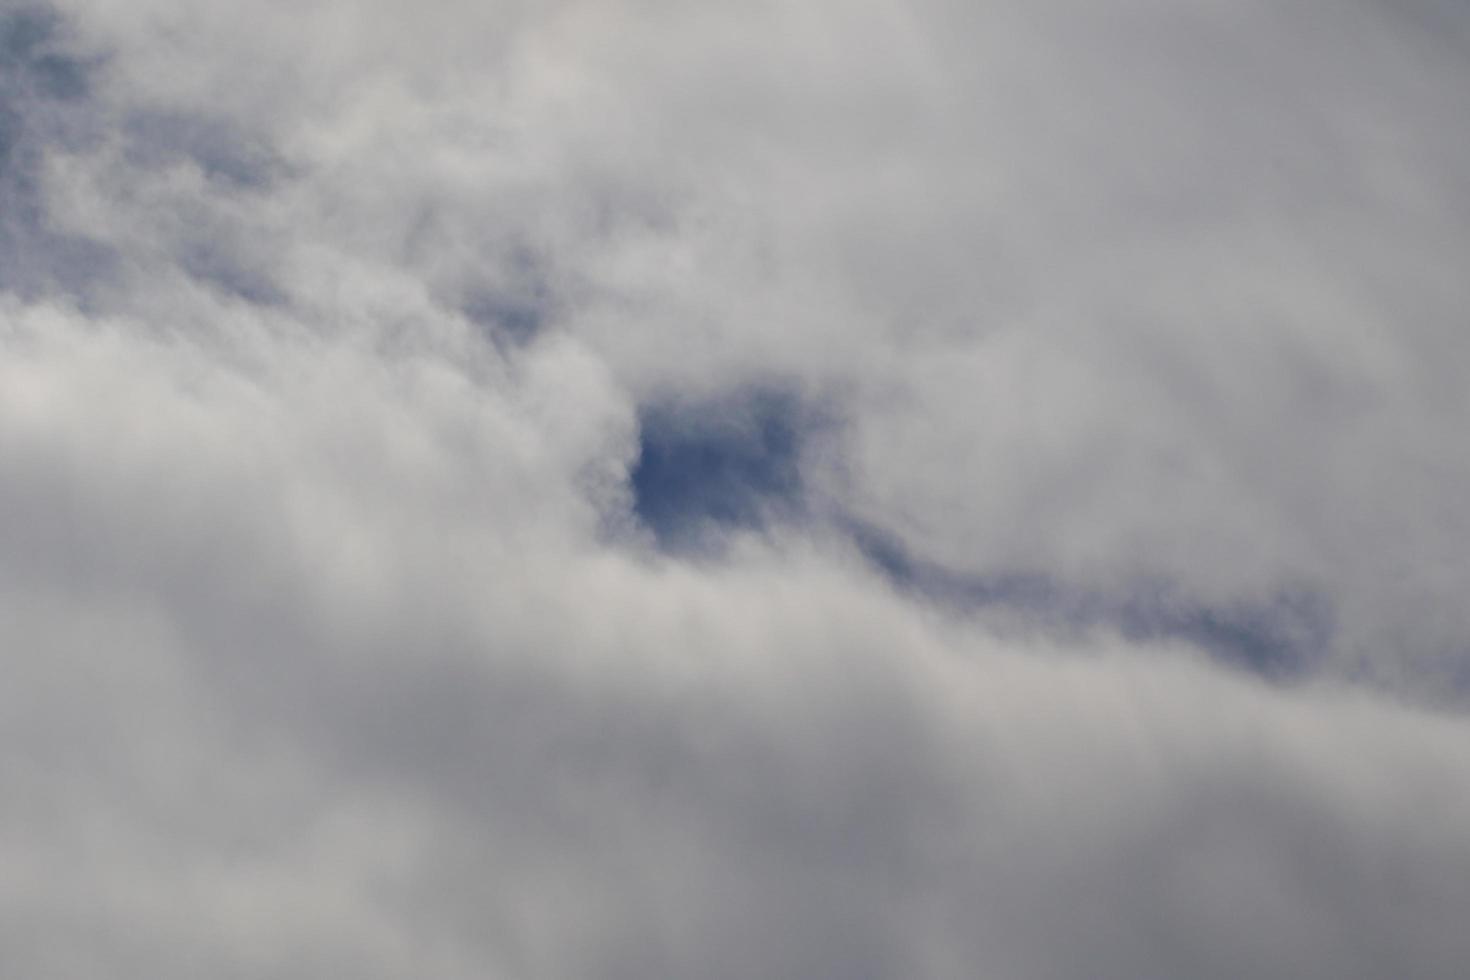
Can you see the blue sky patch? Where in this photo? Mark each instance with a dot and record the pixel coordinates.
(715, 465)
(1280, 637)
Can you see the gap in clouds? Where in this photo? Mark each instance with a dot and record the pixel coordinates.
(1279, 637)
(725, 463)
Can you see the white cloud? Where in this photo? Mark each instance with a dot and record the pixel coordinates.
(334, 645)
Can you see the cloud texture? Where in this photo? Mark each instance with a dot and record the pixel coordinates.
(631, 489)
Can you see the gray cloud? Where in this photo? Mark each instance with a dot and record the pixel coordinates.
(567, 490)
(44, 87)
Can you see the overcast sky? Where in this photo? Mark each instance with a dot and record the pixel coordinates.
(830, 490)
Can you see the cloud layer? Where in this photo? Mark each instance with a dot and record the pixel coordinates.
(623, 489)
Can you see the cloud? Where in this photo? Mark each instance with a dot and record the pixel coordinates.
(566, 490)
(44, 85)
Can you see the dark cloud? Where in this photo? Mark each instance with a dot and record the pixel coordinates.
(44, 85)
(516, 304)
(221, 150)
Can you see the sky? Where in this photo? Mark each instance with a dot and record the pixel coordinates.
(601, 489)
